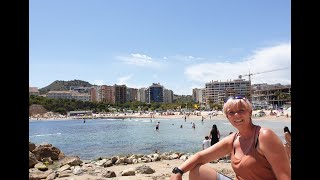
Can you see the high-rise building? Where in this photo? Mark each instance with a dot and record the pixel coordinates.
(217, 91)
(142, 95)
(132, 94)
(120, 93)
(156, 93)
(167, 96)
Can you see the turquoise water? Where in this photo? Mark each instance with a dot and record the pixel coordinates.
(108, 137)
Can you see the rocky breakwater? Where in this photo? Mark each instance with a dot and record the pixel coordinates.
(48, 162)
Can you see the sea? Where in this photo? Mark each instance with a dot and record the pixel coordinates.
(94, 138)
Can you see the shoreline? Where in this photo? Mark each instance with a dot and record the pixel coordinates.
(167, 120)
(168, 117)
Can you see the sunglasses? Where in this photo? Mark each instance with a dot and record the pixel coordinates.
(235, 97)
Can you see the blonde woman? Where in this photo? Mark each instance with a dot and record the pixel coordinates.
(256, 152)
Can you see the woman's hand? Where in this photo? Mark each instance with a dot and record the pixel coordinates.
(177, 176)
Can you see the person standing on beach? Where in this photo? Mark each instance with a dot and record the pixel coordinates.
(157, 126)
(206, 143)
(287, 144)
(214, 135)
(256, 152)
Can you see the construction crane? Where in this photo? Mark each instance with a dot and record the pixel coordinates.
(250, 74)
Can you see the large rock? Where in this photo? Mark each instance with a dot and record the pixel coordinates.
(144, 169)
(70, 160)
(32, 146)
(32, 160)
(46, 150)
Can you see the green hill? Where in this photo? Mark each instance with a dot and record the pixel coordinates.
(63, 85)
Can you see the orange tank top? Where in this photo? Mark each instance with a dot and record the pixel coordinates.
(252, 166)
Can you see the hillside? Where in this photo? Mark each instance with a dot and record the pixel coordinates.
(64, 85)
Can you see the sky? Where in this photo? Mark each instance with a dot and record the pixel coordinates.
(180, 44)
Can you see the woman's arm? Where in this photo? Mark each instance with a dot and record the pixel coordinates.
(214, 152)
(271, 146)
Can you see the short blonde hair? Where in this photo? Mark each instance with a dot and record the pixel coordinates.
(237, 103)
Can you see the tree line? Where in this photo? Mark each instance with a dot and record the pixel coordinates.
(63, 106)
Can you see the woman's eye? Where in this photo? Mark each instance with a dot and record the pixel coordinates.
(231, 113)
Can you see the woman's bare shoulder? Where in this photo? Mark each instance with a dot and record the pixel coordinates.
(266, 134)
(269, 141)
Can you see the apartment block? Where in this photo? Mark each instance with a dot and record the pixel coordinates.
(34, 91)
(275, 95)
(132, 94)
(142, 95)
(218, 92)
(120, 93)
(156, 93)
(167, 96)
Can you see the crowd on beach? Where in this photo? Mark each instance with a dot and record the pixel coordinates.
(199, 115)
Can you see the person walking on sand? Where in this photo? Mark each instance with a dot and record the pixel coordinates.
(287, 144)
(256, 152)
(214, 134)
(206, 143)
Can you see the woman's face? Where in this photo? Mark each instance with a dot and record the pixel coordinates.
(238, 115)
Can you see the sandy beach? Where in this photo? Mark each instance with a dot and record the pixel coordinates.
(207, 117)
(162, 171)
(223, 117)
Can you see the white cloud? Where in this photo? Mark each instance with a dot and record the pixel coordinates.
(259, 63)
(139, 60)
(186, 59)
(123, 80)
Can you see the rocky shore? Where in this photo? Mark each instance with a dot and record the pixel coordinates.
(48, 162)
